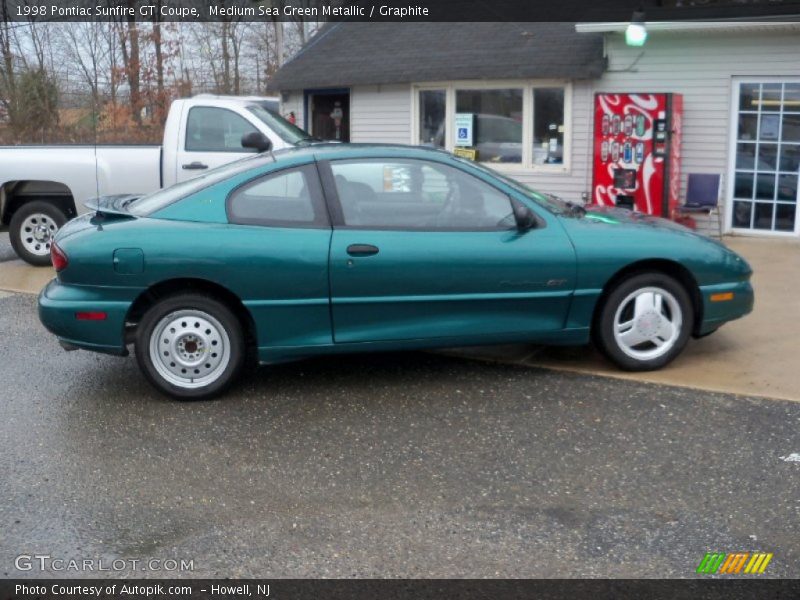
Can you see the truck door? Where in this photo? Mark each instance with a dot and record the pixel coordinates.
(212, 136)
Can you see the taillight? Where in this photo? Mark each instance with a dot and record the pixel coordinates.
(57, 256)
(91, 316)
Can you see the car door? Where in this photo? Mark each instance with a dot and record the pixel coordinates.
(423, 249)
(212, 136)
(278, 240)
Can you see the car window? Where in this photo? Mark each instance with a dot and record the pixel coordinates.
(289, 198)
(415, 194)
(210, 129)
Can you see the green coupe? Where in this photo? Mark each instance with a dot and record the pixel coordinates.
(351, 248)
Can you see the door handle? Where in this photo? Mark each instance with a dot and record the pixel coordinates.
(194, 166)
(362, 249)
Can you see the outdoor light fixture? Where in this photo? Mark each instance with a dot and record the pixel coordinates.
(636, 33)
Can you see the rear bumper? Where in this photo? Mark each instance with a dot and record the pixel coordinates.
(58, 306)
(716, 313)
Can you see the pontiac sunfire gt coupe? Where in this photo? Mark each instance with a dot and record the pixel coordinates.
(349, 248)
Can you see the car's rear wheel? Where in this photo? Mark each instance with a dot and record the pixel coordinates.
(644, 322)
(190, 346)
(32, 229)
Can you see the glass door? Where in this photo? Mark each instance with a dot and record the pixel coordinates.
(767, 164)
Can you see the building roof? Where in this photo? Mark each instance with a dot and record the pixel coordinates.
(347, 53)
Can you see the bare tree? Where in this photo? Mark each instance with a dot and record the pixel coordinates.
(86, 48)
(128, 32)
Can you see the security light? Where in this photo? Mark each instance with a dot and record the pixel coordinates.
(636, 33)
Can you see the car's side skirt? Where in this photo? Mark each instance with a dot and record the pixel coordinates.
(277, 354)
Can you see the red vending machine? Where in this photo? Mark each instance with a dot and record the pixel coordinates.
(637, 140)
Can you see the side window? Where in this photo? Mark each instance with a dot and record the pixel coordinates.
(211, 129)
(288, 198)
(415, 194)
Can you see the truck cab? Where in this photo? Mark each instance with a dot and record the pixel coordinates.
(41, 187)
(206, 132)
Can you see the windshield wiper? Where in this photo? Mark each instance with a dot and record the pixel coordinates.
(306, 141)
(574, 208)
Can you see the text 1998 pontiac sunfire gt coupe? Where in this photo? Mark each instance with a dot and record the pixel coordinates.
(345, 248)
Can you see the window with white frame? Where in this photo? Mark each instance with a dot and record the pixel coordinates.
(506, 124)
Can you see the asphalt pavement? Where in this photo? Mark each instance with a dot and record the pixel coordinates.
(384, 465)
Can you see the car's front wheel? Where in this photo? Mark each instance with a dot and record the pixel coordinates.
(644, 322)
(190, 346)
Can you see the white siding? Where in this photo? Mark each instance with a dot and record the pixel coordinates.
(701, 66)
(380, 113)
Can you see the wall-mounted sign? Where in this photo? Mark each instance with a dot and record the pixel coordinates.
(463, 129)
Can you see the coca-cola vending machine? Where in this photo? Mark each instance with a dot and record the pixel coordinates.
(637, 140)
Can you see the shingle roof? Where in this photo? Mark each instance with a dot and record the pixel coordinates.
(349, 53)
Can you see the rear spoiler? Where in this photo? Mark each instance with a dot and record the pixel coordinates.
(111, 205)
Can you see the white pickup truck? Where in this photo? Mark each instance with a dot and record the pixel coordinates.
(41, 187)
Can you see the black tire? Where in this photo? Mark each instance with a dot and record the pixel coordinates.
(181, 307)
(604, 326)
(21, 235)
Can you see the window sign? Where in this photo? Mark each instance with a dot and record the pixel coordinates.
(770, 125)
(464, 123)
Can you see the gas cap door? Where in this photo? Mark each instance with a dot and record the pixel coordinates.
(129, 261)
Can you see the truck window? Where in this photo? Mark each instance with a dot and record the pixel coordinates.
(211, 129)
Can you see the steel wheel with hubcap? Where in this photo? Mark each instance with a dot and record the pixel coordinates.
(190, 346)
(32, 230)
(644, 322)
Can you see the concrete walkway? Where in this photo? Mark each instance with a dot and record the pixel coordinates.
(758, 355)
(18, 276)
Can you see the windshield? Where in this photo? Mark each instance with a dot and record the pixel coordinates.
(291, 134)
(552, 203)
(150, 203)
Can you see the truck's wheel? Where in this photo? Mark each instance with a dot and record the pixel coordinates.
(190, 346)
(32, 229)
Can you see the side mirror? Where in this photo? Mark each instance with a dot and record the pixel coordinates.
(524, 216)
(257, 140)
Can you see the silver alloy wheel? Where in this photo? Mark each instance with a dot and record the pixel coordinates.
(648, 323)
(37, 232)
(190, 348)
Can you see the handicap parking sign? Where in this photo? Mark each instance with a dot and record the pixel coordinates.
(463, 128)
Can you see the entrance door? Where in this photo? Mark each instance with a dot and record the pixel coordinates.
(764, 194)
(329, 115)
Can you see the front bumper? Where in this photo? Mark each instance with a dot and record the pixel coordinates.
(715, 313)
(59, 304)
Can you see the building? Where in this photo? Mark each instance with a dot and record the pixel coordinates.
(405, 83)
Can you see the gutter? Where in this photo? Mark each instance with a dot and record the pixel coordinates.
(620, 26)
